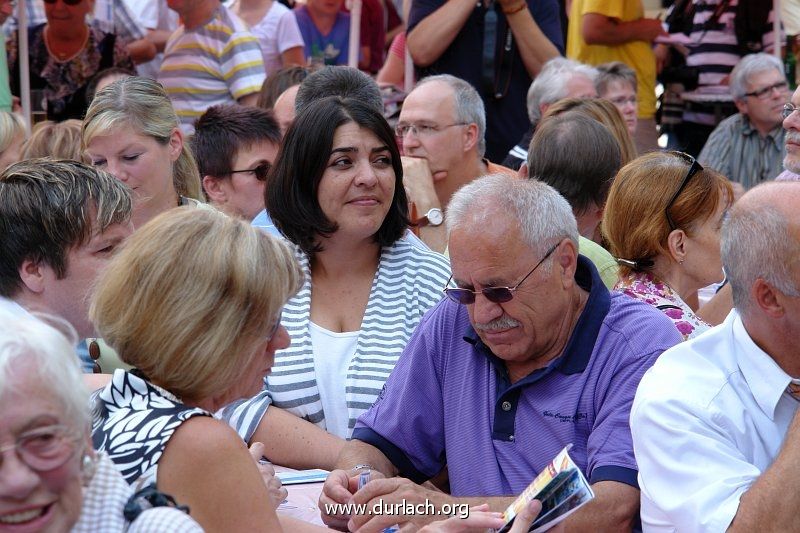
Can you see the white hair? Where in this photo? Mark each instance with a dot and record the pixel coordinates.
(755, 243)
(45, 346)
(748, 66)
(544, 216)
(551, 83)
(468, 103)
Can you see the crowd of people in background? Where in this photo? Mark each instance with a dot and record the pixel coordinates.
(222, 249)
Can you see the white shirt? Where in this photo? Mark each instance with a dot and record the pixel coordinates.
(708, 419)
(333, 353)
(152, 15)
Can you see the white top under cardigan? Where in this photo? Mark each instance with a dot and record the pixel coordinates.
(408, 283)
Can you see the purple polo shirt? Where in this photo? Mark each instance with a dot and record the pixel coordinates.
(449, 399)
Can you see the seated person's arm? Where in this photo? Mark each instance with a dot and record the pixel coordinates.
(600, 29)
(249, 99)
(141, 50)
(614, 508)
(206, 466)
(291, 441)
(771, 503)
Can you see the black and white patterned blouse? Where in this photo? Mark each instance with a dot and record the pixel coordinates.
(132, 421)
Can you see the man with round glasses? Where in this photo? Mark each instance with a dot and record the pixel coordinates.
(235, 147)
(529, 352)
(748, 147)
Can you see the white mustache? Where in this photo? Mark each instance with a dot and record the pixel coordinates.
(501, 323)
(793, 137)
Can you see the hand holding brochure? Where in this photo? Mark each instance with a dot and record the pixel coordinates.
(562, 489)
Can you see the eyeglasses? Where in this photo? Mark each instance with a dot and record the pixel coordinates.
(67, 2)
(275, 326)
(423, 130)
(694, 168)
(44, 449)
(788, 109)
(762, 94)
(496, 295)
(260, 172)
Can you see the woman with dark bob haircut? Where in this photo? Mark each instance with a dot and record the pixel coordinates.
(336, 192)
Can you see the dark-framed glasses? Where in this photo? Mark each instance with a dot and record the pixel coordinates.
(788, 109)
(44, 449)
(260, 172)
(496, 295)
(694, 168)
(275, 326)
(763, 93)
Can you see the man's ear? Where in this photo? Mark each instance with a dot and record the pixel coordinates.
(32, 275)
(214, 190)
(766, 298)
(471, 137)
(523, 171)
(741, 106)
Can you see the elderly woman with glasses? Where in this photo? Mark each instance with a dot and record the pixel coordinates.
(662, 221)
(193, 303)
(50, 477)
(336, 192)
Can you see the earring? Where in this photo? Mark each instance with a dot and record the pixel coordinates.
(88, 468)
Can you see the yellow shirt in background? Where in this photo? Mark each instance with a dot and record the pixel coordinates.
(636, 54)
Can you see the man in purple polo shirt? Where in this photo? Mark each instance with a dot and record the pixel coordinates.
(530, 353)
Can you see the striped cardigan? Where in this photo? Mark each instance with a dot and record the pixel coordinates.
(408, 282)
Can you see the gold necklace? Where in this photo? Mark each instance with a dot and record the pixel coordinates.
(64, 57)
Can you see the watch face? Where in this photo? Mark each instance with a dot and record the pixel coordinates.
(435, 217)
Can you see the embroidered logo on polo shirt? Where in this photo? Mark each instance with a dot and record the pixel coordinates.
(565, 418)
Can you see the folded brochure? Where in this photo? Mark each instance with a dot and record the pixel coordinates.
(562, 489)
(302, 476)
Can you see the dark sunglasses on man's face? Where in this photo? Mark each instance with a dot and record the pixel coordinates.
(67, 2)
(498, 295)
(260, 172)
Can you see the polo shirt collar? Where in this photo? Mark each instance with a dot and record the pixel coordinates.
(575, 357)
(767, 381)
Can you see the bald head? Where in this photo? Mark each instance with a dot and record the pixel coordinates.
(284, 108)
(760, 240)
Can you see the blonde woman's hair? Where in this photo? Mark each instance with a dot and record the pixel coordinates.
(11, 127)
(60, 140)
(142, 104)
(603, 112)
(190, 295)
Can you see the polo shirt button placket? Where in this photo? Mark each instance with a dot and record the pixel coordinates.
(506, 406)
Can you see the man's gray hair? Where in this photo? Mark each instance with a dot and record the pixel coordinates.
(551, 83)
(44, 349)
(748, 66)
(756, 243)
(468, 104)
(543, 215)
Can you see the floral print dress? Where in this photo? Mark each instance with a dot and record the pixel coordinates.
(64, 82)
(645, 287)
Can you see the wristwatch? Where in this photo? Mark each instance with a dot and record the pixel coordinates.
(434, 217)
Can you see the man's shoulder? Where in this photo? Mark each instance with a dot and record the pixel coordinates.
(693, 374)
(226, 24)
(643, 329)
